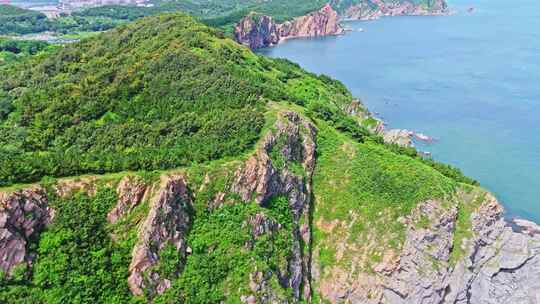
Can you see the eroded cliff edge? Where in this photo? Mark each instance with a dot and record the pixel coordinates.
(455, 247)
(374, 9)
(258, 31)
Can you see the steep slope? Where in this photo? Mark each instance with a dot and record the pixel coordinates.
(309, 206)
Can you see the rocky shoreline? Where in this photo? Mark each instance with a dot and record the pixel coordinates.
(258, 31)
(375, 9)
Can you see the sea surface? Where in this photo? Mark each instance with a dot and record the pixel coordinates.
(471, 80)
(33, 4)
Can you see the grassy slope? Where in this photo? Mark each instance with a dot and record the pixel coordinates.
(363, 190)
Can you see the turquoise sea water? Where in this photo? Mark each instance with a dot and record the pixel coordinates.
(471, 80)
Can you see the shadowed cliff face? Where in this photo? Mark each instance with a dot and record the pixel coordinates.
(269, 173)
(261, 31)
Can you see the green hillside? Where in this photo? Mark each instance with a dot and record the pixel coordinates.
(21, 21)
(265, 150)
(152, 95)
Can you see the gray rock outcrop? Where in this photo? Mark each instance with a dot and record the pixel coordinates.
(499, 263)
(420, 276)
(502, 264)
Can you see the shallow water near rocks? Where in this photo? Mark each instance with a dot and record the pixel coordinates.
(471, 80)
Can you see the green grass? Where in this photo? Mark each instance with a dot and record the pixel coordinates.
(369, 188)
(468, 204)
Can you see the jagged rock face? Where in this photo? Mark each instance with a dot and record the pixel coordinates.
(320, 23)
(293, 138)
(261, 31)
(131, 191)
(257, 31)
(373, 9)
(501, 264)
(420, 275)
(23, 215)
(167, 223)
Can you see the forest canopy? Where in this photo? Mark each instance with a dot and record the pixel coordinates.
(155, 94)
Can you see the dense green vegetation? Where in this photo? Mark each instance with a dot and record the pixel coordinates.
(21, 21)
(77, 260)
(225, 254)
(15, 50)
(155, 94)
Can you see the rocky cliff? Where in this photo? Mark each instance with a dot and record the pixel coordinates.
(374, 9)
(23, 215)
(257, 31)
(491, 262)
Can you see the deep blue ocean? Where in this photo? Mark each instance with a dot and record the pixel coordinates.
(471, 80)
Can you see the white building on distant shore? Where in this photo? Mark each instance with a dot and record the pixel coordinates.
(70, 5)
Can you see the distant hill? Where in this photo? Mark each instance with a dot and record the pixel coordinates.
(15, 20)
